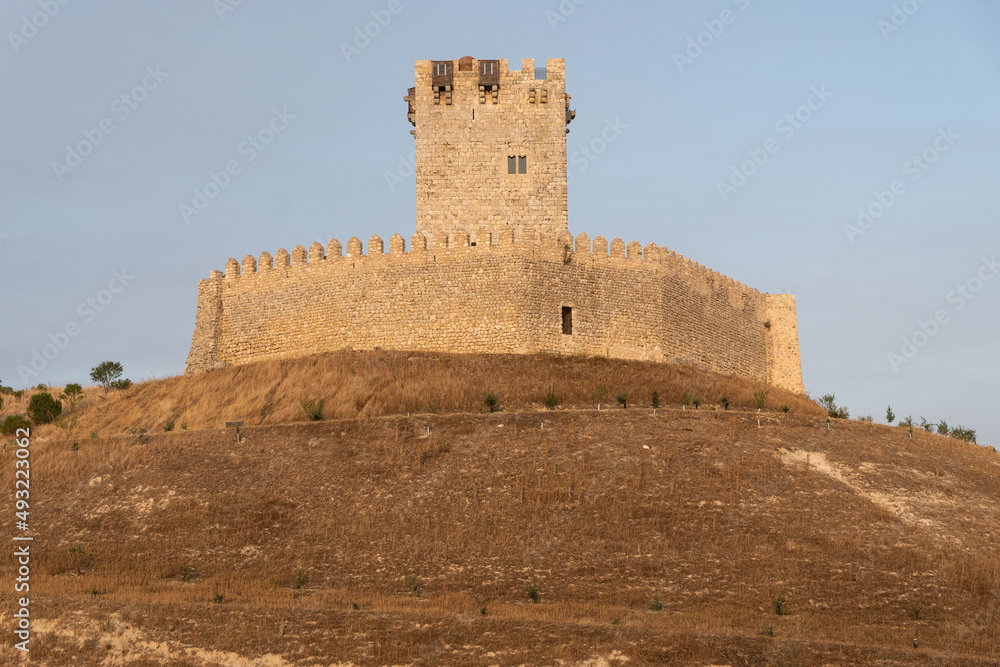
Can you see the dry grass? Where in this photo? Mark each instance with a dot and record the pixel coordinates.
(354, 384)
(716, 516)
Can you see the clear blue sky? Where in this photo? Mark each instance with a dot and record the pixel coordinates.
(197, 81)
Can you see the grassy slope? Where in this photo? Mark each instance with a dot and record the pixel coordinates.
(856, 526)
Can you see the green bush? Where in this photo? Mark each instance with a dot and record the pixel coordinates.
(656, 604)
(696, 400)
(42, 408)
(10, 425)
(654, 400)
(832, 409)
(889, 415)
(685, 398)
(72, 394)
(943, 427)
(490, 399)
(622, 399)
(532, 591)
(962, 433)
(124, 383)
(169, 426)
(760, 399)
(724, 402)
(551, 401)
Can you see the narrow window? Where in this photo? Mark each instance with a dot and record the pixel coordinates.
(511, 164)
(522, 164)
(567, 320)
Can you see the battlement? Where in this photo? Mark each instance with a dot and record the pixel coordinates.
(441, 247)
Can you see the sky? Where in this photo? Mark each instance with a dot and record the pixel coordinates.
(847, 153)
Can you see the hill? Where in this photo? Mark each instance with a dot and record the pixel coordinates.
(373, 537)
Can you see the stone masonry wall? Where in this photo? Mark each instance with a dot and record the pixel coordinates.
(462, 146)
(499, 296)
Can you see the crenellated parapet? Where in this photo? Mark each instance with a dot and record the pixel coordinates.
(456, 246)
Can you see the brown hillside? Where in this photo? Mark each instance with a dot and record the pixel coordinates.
(403, 530)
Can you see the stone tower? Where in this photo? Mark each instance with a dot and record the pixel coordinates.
(490, 146)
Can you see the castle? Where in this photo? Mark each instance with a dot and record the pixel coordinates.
(492, 267)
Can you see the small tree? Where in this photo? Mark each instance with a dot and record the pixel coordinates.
(490, 399)
(106, 374)
(601, 393)
(654, 400)
(943, 427)
(42, 408)
(760, 398)
(551, 401)
(890, 416)
(724, 402)
(622, 399)
(832, 409)
(72, 394)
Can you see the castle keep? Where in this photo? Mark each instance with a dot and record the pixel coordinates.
(492, 267)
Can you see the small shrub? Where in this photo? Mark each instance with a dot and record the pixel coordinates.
(654, 400)
(832, 409)
(218, 598)
(300, 579)
(760, 399)
(121, 384)
(482, 606)
(550, 399)
(943, 427)
(779, 604)
(622, 399)
(532, 591)
(71, 394)
(926, 425)
(74, 447)
(106, 373)
(908, 422)
(890, 416)
(184, 426)
(93, 435)
(865, 418)
(962, 433)
(433, 407)
(169, 426)
(685, 398)
(11, 423)
(490, 399)
(412, 583)
(312, 408)
(43, 409)
(656, 605)
(913, 612)
(186, 571)
(41, 386)
(784, 408)
(696, 400)
(724, 402)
